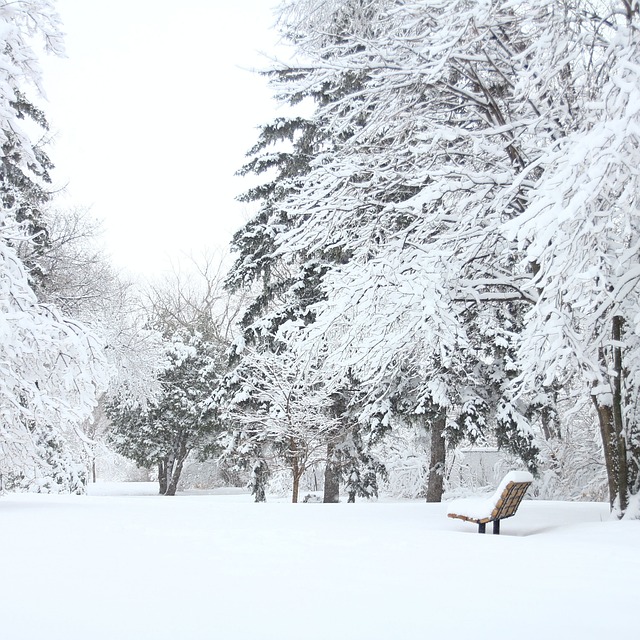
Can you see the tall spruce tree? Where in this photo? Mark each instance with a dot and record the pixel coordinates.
(285, 288)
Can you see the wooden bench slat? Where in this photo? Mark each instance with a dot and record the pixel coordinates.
(505, 504)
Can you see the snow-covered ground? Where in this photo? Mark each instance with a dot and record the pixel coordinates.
(124, 564)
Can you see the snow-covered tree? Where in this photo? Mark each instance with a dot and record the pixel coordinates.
(423, 138)
(474, 166)
(283, 287)
(28, 27)
(439, 127)
(75, 275)
(181, 419)
(581, 230)
(52, 366)
(279, 415)
(195, 318)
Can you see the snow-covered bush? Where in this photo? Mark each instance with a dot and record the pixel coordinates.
(50, 467)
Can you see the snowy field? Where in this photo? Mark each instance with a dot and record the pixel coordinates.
(124, 564)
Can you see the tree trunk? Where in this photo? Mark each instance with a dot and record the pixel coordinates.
(173, 478)
(175, 471)
(612, 428)
(172, 485)
(549, 419)
(605, 420)
(162, 476)
(260, 476)
(615, 454)
(618, 419)
(435, 485)
(296, 486)
(168, 471)
(331, 476)
(633, 460)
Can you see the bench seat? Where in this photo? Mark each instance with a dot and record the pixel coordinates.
(502, 504)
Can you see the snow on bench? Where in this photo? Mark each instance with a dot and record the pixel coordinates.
(502, 504)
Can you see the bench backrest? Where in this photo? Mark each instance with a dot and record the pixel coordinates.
(510, 500)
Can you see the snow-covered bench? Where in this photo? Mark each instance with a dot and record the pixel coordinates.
(502, 504)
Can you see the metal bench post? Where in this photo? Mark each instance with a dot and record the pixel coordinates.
(482, 527)
(496, 526)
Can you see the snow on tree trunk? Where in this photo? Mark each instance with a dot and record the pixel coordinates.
(610, 411)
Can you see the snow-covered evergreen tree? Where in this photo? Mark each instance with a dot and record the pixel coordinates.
(282, 289)
(181, 419)
(51, 366)
(195, 318)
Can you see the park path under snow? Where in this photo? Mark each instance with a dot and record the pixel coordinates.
(137, 567)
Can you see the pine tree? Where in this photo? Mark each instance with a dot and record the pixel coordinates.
(285, 288)
(25, 167)
(181, 419)
(290, 285)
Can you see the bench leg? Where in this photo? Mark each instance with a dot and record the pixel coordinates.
(496, 526)
(482, 527)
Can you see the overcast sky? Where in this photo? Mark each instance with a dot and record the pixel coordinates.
(153, 110)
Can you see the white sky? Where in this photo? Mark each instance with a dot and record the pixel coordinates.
(153, 110)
